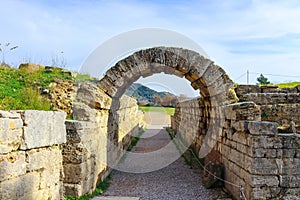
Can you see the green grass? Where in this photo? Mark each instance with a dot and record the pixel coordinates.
(101, 188)
(83, 78)
(288, 85)
(167, 110)
(284, 85)
(135, 140)
(19, 88)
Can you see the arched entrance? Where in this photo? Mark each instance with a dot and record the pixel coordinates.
(203, 74)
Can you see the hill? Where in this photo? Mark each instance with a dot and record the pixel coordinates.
(37, 87)
(147, 96)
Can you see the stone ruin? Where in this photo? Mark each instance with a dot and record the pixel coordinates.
(249, 132)
(258, 147)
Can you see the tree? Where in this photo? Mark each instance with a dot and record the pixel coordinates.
(262, 80)
(156, 99)
(4, 49)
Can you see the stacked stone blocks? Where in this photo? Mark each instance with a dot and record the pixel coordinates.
(30, 155)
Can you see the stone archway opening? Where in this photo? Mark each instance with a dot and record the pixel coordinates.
(212, 81)
(246, 146)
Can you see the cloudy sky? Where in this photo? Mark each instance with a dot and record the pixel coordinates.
(262, 36)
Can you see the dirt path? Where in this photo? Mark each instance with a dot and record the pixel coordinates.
(156, 175)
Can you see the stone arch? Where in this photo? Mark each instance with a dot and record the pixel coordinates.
(200, 71)
(212, 81)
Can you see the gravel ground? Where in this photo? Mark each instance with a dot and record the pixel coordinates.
(175, 181)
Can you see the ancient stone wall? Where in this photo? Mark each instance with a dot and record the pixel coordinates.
(30, 154)
(42, 156)
(277, 105)
(253, 153)
(258, 158)
(189, 117)
(90, 152)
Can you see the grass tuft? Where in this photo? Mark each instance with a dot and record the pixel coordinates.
(101, 188)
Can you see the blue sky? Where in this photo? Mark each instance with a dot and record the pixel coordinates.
(261, 36)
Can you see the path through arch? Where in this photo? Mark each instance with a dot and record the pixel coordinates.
(203, 74)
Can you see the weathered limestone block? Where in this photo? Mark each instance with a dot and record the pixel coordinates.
(267, 142)
(172, 71)
(270, 181)
(24, 187)
(264, 166)
(75, 173)
(289, 141)
(12, 165)
(10, 138)
(270, 89)
(266, 153)
(9, 114)
(292, 193)
(30, 67)
(44, 158)
(43, 128)
(83, 112)
(289, 153)
(289, 181)
(75, 153)
(107, 86)
(264, 192)
(289, 166)
(10, 124)
(127, 102)
(198, 65)
(212, 73)
(262, 128)
(245, 89)
(115, 76)
(271, 98)
(90, 94)
(243, 111)
(50, 177)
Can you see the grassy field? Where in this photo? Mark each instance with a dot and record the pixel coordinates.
(169, 111)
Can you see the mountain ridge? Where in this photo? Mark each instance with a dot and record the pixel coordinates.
(147, 96)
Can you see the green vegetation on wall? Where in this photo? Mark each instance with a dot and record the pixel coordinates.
(19, 88)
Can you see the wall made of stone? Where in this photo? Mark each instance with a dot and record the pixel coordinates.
(190, 117)
(254, 155)
(90, 151)
(263, 162)
(277, 105)
(30, 154)
(241, 90)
